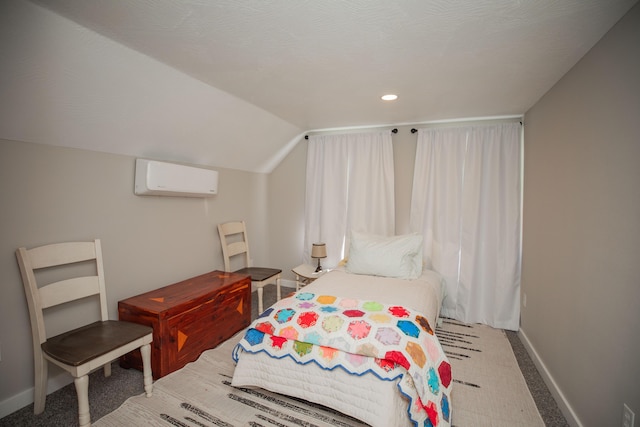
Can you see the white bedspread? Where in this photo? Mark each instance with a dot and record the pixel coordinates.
(376, 402)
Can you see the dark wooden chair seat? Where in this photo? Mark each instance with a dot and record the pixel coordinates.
(259, 274)
(89, 342)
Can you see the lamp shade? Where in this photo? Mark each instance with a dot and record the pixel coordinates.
(319, 250)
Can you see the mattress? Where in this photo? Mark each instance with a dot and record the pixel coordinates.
(369, 399)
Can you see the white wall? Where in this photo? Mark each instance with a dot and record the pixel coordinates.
(52, 194)
(581, 269)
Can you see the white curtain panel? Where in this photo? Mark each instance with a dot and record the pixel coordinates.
(350, 185)
(466, 202)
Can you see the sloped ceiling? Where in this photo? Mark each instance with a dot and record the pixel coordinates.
(236, 83)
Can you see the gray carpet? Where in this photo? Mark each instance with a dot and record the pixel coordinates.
(545, 402)
(107, 394)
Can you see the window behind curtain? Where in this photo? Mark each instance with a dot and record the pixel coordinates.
(350, 185)
(466, 203)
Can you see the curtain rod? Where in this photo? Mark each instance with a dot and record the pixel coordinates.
(414, 130)
(431, 122)
(394, 130)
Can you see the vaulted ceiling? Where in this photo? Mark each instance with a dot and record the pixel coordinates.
(235, 83)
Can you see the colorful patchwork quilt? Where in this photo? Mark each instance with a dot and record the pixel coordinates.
(361, 337)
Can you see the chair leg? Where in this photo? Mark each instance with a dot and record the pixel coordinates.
(107, 370)
(82, 390)
(278, 293)
(41, 375)
(145, 352)
(260, 306)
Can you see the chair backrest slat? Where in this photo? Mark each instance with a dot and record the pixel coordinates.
(61, 254)
(236, 248)
(68, 290)
(233, 227)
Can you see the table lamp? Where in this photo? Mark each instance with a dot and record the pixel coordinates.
(319, 250)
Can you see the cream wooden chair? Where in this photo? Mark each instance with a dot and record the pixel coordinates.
(88, 347)
(233, 238)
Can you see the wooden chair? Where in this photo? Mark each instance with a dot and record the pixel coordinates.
(233, 238)
(88, 347)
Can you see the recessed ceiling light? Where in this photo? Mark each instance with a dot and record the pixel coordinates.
(389, 97)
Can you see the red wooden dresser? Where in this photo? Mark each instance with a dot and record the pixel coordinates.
(188, 317)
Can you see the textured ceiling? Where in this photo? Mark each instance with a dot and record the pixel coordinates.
(282, 68)
(321, 64)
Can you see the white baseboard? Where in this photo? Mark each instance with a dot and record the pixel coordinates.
(20, 400)
(564, 406)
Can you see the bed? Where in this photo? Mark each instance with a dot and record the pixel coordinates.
(367, 395)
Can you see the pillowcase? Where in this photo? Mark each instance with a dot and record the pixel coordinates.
(395, 256)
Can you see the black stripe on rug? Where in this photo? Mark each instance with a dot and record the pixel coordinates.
(205, 415)
(303, 409)
(255, 405)
(458, 345)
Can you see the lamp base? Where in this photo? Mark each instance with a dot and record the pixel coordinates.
(319, 269)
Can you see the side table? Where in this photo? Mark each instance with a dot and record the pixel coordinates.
(306, 274)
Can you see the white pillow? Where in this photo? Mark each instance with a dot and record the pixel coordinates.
(395, 256)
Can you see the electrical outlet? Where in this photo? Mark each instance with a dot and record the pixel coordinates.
(524, 300)
(627, 416)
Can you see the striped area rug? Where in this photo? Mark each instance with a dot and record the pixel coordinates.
(200, 394)
(489, 390)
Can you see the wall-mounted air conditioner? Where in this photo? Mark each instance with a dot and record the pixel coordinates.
(154, 178)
